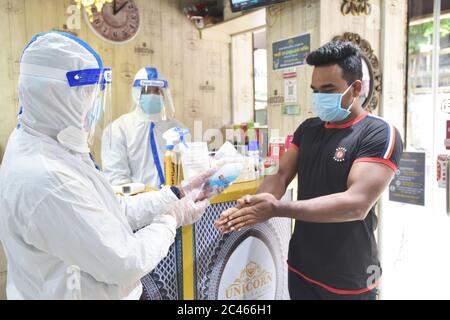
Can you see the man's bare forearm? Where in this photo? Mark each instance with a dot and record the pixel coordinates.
(275, 185)
(333, 208)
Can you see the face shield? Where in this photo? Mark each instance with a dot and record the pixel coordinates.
(94, 87)
(152, 95)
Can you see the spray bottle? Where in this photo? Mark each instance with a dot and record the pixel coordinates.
(172, 159)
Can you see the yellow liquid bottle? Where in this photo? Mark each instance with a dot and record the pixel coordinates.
(170, 168)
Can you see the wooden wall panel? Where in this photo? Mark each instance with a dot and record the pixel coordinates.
(334, 23)
(176, 50)
(393, 62)
(291, 19)
(323, 20)
(243, 102)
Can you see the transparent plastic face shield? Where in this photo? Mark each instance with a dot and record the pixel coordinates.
(156, 87)
(95, 90)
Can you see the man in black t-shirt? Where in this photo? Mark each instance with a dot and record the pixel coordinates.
(345, 158)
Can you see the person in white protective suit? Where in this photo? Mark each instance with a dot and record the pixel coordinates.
(136, 151)
(65, 233)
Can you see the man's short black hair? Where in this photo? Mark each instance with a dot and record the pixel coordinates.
(343, 53)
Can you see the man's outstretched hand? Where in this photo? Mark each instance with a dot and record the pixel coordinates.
(250, 210)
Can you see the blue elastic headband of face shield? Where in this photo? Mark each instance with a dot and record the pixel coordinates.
(152, 80)
(89, 77)
(96, 76)
(150, 83)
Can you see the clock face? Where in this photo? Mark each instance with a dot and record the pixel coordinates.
(118, 21)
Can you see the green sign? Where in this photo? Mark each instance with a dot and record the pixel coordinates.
(291, 52)
(291, 110)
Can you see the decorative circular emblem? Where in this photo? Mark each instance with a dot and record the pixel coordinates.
(248, 266)
(118, 22)
(372, 78)
(339, 155)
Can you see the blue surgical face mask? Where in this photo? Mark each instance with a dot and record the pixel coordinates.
(151, 103)
(328, 106)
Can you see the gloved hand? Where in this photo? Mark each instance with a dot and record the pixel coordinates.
(198, 188)
(186, 211)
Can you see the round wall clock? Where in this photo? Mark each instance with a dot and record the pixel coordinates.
(118, 22)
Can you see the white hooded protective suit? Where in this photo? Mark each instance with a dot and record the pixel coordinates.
(58, 214)
(129, 157)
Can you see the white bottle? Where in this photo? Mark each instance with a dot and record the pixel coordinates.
(253, 152)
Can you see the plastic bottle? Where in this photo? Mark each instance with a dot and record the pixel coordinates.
(261, 168)
(170, 169)
(172, 163)
(253, 152)
(226, 175)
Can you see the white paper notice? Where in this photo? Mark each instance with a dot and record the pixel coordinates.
(194, 159)
(290, 90)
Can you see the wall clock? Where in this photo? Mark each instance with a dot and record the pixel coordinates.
(118, 22)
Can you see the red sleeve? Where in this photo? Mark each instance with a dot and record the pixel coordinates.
(298, 134)
(382, 144)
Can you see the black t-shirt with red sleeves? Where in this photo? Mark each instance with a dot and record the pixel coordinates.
(338, 256)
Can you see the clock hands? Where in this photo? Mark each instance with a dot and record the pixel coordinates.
(115, 10)
(119, 23)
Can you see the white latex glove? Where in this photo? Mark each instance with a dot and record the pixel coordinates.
(198, 188)
(186, 211)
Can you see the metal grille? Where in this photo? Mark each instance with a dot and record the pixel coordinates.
(165, 282)
(206, 240)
